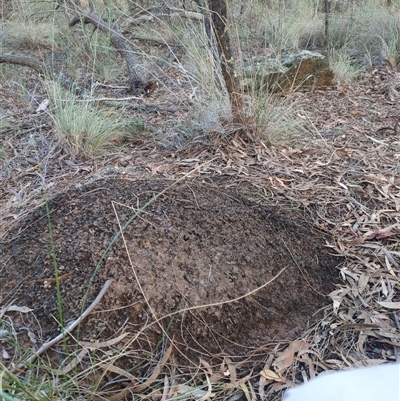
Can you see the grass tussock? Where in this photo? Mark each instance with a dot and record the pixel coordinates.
(82, 126)
(274, 120)
(346, 72)
(30, 35)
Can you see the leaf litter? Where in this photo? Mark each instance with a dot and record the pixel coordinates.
(347, 182)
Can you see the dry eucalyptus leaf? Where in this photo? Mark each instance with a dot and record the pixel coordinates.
(32, 337)
(287, 357)
(231, 370)
(207, 366)
(15, 308)
(389, 305)
(5, 355)
(270, 375)
(97, 345)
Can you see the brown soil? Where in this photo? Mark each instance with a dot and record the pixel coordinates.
(197, 244)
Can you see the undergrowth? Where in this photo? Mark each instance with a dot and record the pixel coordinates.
(358, 35)
(81, 125)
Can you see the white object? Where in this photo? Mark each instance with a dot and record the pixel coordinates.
(43, 105)
(378, 383)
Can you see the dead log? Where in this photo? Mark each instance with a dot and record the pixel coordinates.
(26, 61)
(136, 79)
(40, 68)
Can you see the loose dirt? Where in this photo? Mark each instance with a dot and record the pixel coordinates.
(198, 243)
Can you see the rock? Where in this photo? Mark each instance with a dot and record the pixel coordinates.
(305, 69)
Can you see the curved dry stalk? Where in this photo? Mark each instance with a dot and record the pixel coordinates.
(135, 387)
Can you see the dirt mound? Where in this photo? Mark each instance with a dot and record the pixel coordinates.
(197, 244)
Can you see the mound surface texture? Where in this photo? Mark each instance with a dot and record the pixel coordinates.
(198, 243)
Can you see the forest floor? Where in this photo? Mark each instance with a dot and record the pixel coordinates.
(277, 260)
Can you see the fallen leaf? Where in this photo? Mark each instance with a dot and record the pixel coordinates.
(166, 389)
(389, 305)
(14, 308)
(207, 366)
(271, 375)
(246, 391)
(381, 234)
(96, 345)
(231, 370)
(286, 358)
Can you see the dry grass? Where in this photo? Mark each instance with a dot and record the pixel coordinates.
(346, 72)
(82, 127)
(30, 35)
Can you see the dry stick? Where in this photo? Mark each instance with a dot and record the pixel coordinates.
(39, 67)
(75, 323)
(117, 99)
(26, 61)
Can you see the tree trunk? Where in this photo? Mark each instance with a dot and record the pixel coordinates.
(219, 11)
(327, 11)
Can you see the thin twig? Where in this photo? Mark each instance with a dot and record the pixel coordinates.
(113, 99)
(220, 302)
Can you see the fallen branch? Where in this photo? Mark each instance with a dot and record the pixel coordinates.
(136, 79)
(66, 331)
(26, 61)
(39, 67)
